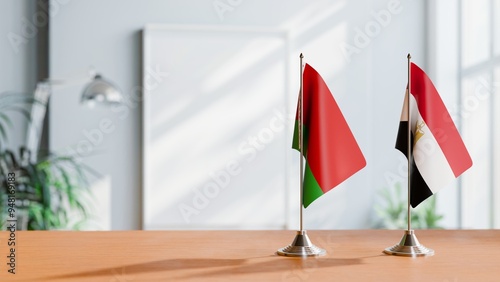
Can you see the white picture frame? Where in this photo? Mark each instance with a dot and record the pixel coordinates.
(216, 127)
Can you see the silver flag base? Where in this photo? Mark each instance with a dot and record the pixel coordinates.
(409, 247)
(301, 247)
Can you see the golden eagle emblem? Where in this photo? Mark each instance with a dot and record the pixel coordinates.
(418, 131)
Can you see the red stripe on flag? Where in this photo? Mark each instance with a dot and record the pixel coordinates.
(437, 118)
(333, 154)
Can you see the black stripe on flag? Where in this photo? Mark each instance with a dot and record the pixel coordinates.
(419, 191)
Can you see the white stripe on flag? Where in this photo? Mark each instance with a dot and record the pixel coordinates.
(429, 158)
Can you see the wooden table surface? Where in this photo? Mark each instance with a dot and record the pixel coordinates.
(461, 255)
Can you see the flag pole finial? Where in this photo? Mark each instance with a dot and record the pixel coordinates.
(409, 56)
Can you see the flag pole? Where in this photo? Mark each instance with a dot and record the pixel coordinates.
(301, 140)
(409, 246)
(301, 245)
(409, 140)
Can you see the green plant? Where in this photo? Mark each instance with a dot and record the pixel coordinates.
(52, 192)
(393, 213)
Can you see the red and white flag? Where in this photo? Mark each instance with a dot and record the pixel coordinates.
(438, 154)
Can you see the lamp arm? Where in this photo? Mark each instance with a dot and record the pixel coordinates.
(56, 82)
(38, 111)
(42, 94)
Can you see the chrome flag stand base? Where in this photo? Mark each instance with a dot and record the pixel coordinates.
(409, 247)
(301, 247)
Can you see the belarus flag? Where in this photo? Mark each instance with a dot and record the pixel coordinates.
(438, 153)
(331, 151)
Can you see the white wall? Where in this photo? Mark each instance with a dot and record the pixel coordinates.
(17, 57)
(369, 86)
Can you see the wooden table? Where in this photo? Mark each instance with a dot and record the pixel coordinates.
(461, 255)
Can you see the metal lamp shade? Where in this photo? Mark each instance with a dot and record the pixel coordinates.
(101, 91)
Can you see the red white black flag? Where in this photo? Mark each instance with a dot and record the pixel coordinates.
(438, 154)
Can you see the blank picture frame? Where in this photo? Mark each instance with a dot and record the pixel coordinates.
(216, 127)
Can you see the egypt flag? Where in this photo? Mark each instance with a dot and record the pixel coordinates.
(438, 152)
(331, 152)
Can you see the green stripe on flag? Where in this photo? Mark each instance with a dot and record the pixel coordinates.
(312, 191)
